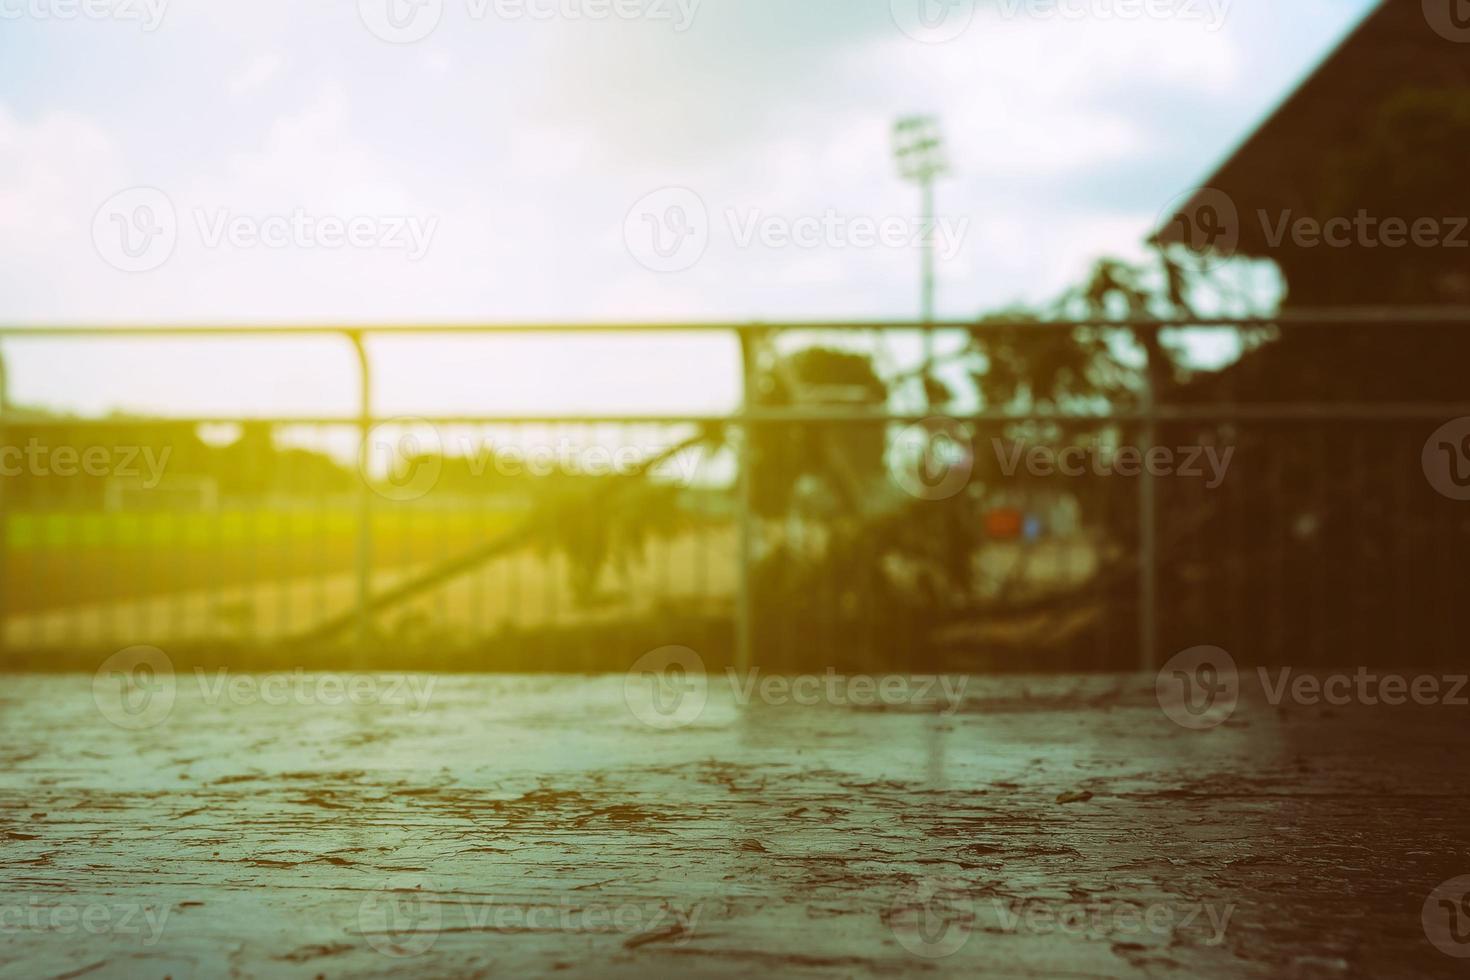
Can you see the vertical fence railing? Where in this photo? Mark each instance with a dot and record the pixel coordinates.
(1148, 542)
(1148, 415)
(365, 491)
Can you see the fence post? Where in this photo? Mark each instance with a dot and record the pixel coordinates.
(4, 505)
(365, 497)
(1148, 569)
(745, 511)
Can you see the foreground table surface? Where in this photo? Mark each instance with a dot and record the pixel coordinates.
(1049, 827)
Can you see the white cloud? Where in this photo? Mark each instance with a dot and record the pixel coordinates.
(255, 75)
(530, 143)
(48, 168)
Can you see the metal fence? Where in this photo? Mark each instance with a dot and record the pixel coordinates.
(765, 535)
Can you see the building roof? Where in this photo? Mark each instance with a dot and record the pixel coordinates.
(1280, 166)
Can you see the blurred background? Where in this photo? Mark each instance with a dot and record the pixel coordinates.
(980, 336)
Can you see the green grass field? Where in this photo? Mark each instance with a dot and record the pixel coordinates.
(231, 528)
(55, 560)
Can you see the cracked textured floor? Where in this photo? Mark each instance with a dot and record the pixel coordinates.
(1051, 827)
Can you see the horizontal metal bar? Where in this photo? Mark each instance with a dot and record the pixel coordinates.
(1309, 412)
(327, 420)
(1368, 316)
(1346, 412)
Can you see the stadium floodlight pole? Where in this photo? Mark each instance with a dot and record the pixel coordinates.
(918, 146)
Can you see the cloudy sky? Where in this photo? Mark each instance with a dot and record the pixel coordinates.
(493, 160)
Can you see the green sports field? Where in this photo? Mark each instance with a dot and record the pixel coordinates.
(54, 560)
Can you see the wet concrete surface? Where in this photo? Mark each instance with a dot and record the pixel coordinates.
(503, 826)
